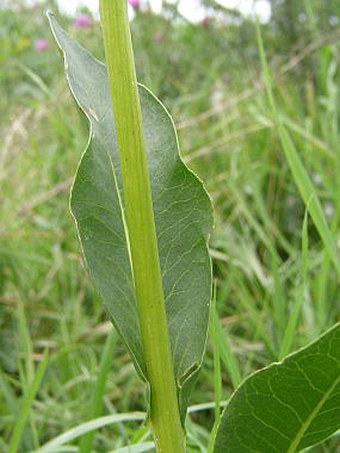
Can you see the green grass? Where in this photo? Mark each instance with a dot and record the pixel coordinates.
(273, 178)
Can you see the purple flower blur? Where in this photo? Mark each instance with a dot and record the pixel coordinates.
(83, 20)
(134, 3)
(40, 45)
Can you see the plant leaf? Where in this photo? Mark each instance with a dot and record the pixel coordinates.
(288, 406)
(84, 428)
(183, 218)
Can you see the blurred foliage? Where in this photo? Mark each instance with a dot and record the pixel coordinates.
(298, 21)
(209, 76)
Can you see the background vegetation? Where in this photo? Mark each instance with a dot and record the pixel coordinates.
(209, 77)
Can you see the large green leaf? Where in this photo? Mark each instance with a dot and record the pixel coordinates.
(289, 405)
(182, 209)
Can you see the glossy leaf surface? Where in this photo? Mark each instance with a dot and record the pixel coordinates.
(182, 210)
(289, 405)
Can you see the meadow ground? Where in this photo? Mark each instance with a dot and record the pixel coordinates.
(277, 287)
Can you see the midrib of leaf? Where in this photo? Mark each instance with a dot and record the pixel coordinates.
(310, 418)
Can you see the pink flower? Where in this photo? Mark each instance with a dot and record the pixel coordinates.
(205, 22)
(83, 20)
(40, 45)
(134, 3)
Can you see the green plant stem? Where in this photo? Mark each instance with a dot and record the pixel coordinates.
(164, 411)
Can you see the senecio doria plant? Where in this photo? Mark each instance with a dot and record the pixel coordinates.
(143, 221)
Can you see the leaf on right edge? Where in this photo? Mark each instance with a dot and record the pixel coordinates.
(288, 406)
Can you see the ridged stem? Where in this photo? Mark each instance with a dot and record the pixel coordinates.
(164, 411)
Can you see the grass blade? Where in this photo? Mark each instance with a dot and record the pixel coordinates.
(137, 448)
(95, 406)
(293, 319)
(26, 406)
(214, 332)
(301, 178)
(84, 428)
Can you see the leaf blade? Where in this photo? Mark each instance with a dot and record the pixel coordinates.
(183, 217)
(281, 406)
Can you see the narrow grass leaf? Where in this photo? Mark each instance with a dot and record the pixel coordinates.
(204, 406)
(301, 178)
(64, 449)
(84, 428)
(308, 192)
(318, 144)
(137, 448)
(8, 394)
(214, 324)
(182, 210)
(287, 406)
(26, 406)
(25, 343)
(228, 357)
(294, 316)
(96, 402)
